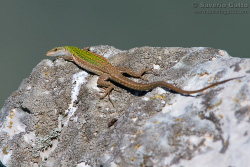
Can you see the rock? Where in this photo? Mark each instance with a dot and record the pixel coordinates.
(56, 117)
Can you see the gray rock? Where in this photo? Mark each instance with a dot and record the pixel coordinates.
(56, 117)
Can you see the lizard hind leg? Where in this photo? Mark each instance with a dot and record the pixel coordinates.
(135, 74)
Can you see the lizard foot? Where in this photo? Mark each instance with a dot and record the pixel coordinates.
(107, 93)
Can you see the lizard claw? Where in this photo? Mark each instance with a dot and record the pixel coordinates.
(152, 71)
(145, 71)
(117, 90)
(143, 78)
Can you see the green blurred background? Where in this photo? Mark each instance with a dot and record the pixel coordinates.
(29, 28)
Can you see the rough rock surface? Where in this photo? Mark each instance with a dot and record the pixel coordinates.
(56, 117)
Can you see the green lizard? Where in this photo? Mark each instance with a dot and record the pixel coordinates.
(99, 65)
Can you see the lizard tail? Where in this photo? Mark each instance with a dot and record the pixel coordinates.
(181, 91)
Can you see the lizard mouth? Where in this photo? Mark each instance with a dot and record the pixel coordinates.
(53, 53)
(59, 51)
(49, 53)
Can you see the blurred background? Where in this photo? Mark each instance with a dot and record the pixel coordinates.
(30, 28)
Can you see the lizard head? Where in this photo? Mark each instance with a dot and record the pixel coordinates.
(58, 51)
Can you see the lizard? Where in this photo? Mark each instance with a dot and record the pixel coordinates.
(99, 65)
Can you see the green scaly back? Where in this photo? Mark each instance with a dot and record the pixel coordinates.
(87, 55)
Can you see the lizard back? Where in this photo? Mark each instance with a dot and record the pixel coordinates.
(89, 60)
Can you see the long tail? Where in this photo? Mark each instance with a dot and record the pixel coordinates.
(181, 91)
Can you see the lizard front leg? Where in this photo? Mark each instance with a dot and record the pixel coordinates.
(102, 81)
(133, 73)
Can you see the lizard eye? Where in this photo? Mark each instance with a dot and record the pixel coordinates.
(55, 49)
